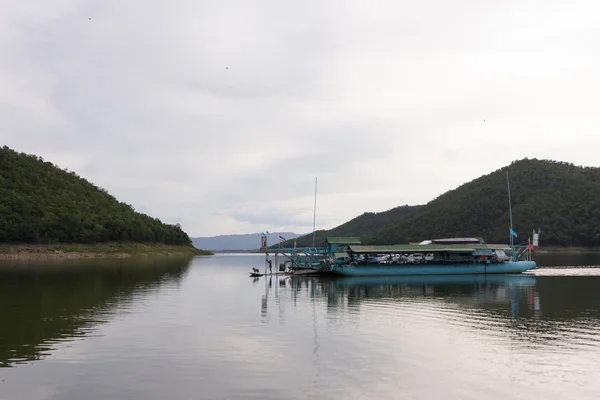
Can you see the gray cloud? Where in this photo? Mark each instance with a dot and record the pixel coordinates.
(218, 115)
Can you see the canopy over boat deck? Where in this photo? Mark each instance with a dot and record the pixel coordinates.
(427, 248)
(338, 244)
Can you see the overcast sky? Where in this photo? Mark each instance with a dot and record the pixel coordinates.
(220, 114)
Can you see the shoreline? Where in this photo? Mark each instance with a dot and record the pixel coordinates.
(565, 250)
(537, 250)
(96, 250)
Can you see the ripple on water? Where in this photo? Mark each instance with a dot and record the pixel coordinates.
(566, 271)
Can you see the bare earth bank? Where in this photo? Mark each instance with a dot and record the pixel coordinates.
(98, 250)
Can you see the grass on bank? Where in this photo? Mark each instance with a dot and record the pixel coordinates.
(566, 250)
(101, 249)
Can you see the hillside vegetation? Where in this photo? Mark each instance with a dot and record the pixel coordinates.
(361, 226)
(41, 203)
(560, 198)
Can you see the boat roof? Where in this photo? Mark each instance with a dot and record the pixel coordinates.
(458, 240)
(428, 248)
(343, 240)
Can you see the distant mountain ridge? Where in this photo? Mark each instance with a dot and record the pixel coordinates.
(248, 241)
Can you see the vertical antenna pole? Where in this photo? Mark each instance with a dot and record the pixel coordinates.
(509, 210)
(314, 214)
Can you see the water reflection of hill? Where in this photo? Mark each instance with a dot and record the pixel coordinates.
(45, 302)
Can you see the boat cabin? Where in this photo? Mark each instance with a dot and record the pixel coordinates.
(336, 246)
(425, 254)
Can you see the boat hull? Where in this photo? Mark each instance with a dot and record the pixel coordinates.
(509, 267)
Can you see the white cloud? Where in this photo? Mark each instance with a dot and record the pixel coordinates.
(220, 115)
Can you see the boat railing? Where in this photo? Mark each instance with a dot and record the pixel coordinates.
(518, 251)
(303, 257)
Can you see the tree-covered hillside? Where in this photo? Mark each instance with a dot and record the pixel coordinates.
(560, 198)
(41, 203)
(361, 226)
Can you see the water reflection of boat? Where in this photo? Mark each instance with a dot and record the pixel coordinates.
(515, 293)
(546, 306)
(522, 280)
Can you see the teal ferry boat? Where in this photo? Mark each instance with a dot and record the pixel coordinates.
(452, 256)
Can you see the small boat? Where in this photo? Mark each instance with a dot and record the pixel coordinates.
(254, 274)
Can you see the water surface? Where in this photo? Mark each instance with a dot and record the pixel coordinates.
(202, 329)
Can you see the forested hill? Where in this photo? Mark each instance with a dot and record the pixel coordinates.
(561, 199)
(41, 203)
(361, 226)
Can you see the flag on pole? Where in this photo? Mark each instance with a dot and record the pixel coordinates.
(513, 233)
(264, 233)
(281, 239)
(268, 233)
(536, 239)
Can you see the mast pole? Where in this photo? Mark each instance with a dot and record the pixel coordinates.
(314, 214)
(510, 211)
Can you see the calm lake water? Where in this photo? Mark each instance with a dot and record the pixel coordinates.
(202, 329)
